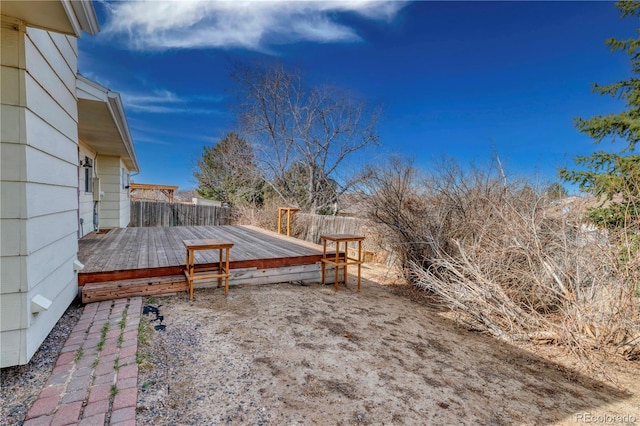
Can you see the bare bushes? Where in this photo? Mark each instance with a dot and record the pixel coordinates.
(509, 261)
(265, 216)
(396, 199)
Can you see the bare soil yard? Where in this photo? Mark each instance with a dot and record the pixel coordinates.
(302, 354)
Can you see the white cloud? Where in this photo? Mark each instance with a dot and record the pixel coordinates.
(163, 101)
(160, 134)
(147, 140)
(158, 101)
(161, 25)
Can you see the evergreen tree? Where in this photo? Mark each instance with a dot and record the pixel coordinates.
(228, 172)
(614, 177)
(555, 191)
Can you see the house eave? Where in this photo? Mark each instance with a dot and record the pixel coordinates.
(85, 15)
(117, 112)
(70, 17)
(102, 123)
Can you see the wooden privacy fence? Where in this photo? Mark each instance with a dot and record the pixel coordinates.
(153, 213)
(309, 227)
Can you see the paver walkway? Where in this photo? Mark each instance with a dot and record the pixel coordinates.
(94, 381)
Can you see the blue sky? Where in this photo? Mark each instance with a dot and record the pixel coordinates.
(455, 79)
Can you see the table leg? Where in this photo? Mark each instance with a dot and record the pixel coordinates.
(279, 221)
(335, 283)
(324, 256)
(219, 267)
(288, 223)
(186, 268)
(359, 262)
(226, 272)
(345, 277)
(190, 256)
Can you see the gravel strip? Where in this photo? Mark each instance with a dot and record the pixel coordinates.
(21, 385)
(164, 360)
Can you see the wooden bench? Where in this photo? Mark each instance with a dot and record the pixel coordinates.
(194, 274)
(341, 260)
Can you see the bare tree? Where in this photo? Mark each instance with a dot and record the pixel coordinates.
(297, 128)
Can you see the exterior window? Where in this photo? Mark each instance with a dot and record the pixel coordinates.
(88, 176)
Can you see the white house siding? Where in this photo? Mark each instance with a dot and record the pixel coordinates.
(125, 203)
(114, 205)
(38, 178)
(85, 199)
(110, 184)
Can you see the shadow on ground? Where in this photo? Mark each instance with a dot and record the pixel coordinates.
(292, 353)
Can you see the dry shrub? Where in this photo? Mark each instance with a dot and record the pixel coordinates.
(508, 260)
(265, 217)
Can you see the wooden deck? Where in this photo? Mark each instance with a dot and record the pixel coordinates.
(139, 253)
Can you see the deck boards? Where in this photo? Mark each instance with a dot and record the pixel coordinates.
(127, 253)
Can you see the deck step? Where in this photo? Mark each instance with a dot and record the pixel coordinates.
(109, 290)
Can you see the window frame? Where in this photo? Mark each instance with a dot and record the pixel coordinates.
(88, 176)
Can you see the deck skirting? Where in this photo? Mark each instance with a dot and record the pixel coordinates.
(95, 292)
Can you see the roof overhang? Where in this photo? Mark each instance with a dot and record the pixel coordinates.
(63, 16)
(102, 123)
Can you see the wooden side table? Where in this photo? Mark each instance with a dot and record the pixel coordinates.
(193, 274)
(290, 211)
(341, 260)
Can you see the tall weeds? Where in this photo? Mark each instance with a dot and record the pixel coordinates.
(508, 260)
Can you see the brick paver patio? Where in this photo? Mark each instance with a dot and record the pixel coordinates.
(94, 381)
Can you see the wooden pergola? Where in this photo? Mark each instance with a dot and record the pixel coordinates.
(167, 190)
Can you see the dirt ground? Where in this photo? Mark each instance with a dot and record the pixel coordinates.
(302, 354)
